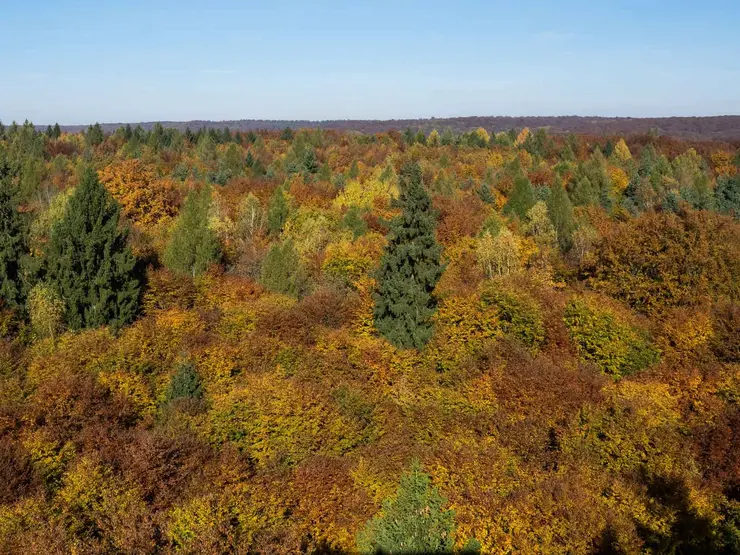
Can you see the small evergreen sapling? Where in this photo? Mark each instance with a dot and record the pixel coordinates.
(415, 521)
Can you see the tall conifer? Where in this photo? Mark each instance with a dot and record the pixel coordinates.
(89, 261)
(560, 210)
(410, 268)
(12, 242)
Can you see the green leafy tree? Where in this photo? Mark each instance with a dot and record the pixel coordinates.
(728, 195)
(539, 226)
(410, 267)
(281, 270)
(354, 221)
(89, 262)
(194, 245)
(46, 311)
(583, 192)
(12, 243)
(522, 197)
(560, 210)
(434, 139)
(415, 521)
(277, 212)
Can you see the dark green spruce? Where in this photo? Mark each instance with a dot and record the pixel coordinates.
(12, 242)
(410, 268)
(89, 261)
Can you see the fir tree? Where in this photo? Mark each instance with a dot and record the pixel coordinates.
(522, 197)
(447, 137)
(410, 267)
(89, 262)
(94, 135)
(12, 242)
(408, 136)
(485, 193)
(277, 212)
(193, 246)
(560, 210)
(185, 384)
(415, 521)
(354, 170)
(310, 162)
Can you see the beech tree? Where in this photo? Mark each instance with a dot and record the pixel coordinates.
(410, 267)
(89, 261)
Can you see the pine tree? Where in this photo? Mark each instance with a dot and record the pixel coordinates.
(12, 243)
(415, 521)
(410, 267)
(560, 210)
(57, 132)
(89, 262)
(522, 197)
(277, 212)
(193, 245)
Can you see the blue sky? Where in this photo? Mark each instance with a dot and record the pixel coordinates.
(85, 61)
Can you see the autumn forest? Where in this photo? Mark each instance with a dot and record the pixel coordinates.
(328, 341)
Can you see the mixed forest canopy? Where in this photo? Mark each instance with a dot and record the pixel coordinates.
(417, 341)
